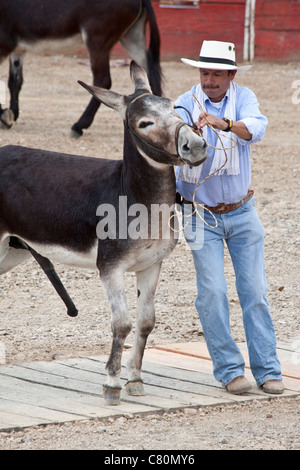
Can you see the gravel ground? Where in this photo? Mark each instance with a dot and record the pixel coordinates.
(33, 321)
(271, 425)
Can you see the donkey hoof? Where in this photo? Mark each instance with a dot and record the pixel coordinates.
(75, 132)
(7, 119)
(135, 388)
(74, 135)
(111, 394)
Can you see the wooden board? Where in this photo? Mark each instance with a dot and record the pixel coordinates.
(175, 376)
(199, 350)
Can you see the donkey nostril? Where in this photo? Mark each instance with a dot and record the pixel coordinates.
(185, 148)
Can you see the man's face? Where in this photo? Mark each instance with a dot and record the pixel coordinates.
(215, 83)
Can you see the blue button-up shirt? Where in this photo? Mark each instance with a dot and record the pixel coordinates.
(224, 188)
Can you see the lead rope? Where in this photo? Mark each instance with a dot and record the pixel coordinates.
(195, 203)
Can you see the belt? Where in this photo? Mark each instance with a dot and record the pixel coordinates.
(224, 208)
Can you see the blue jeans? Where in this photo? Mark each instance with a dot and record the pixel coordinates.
(244, 236)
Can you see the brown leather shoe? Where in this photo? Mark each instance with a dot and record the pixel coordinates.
(273, 386)
(238, 385)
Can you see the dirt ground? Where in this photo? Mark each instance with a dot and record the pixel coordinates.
(33, 321)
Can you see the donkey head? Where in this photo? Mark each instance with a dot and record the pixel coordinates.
(159, 133)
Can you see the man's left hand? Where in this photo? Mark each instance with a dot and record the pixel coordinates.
(238, 127)
(214, 121)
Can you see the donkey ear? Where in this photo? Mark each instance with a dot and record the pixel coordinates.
(139, 77)
(109, 98)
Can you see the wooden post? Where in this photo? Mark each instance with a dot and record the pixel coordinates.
(249, 32)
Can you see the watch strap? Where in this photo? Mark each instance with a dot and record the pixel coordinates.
(229, 122)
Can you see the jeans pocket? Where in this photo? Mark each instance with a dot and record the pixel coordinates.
(193, 225)
(248, 206)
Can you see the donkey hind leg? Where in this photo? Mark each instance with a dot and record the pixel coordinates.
(11, 257)
(146, 286)
(121, 325)
(134, 42)
(15, 81)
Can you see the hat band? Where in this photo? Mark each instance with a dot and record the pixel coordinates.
(212, 60)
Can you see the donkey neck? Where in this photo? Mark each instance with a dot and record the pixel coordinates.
(143, 181)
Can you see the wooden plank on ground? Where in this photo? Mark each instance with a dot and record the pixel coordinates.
(167, 382)
(83, 405)
(41, 414)
(16, 421)
(175, 376)
(288, 353)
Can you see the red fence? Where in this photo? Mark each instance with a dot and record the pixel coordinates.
(183, 29)
(184, 24)
(277, 30)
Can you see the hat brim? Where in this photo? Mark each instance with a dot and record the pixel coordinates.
(215, 66)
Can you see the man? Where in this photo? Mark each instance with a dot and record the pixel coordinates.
(230, 216)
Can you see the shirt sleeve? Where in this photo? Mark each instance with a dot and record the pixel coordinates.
(248, 112)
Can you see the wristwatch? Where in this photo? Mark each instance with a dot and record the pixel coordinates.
(229, 122)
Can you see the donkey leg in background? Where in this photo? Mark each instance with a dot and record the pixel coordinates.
(121, 325)
(134, 42)
(6, 118)
(10, 256)
(146, 286)
(101, 77)
(15, 81)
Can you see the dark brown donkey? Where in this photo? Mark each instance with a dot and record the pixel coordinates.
(109, 214)
(26, 24)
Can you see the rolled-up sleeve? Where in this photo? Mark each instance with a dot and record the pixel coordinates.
(248, 112)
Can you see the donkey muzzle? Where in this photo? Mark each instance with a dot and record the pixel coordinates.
(191, 148)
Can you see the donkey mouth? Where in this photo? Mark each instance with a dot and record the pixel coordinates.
(199, 162)
(195, 160)
(193, 164)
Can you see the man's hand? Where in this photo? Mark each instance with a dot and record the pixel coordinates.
(214, 121)
(238, 127)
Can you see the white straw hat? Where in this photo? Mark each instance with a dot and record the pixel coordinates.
(217, 55)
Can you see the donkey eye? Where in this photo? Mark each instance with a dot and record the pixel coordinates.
(144, 124)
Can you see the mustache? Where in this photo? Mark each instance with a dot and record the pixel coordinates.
(210, 87)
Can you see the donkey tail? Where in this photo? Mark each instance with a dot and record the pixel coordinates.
(153, 53)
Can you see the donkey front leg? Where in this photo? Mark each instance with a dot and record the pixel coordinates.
(121, 325)
(6, 118)
(146, 286)
(101, 78)
(15, 81)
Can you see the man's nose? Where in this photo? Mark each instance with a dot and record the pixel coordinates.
(210, 81)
